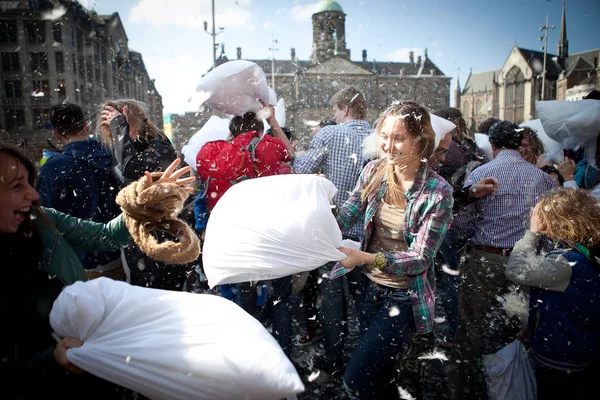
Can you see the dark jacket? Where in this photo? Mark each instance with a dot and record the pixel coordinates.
(132, 157)
(130, 160)
(28, 293)
(564, 302)
(80, 182)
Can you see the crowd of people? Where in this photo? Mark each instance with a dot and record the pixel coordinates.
(436, 224)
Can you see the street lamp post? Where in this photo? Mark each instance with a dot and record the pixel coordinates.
(273, 50)
(213, 34)
(544, 37)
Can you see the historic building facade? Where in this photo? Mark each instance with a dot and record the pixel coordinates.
(510, 92)
(82, 58)
(307, 86)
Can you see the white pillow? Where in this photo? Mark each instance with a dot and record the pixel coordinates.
(235, 87)
(172, 345)
(270, 227)
(215, 128)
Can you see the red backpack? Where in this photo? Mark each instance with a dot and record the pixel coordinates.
(222, 164)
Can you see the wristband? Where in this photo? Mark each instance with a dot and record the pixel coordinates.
(380, 261)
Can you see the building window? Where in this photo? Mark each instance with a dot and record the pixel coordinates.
(81, 67)
(72, 35)
(90, 69)
(41, 119)
(60, 62)
(479, 108)
(13, 89)
(36, 31)
(466, 112)
(57, 32)
(15, 119)
(514, 95)
(40, 88)
(10, 62)
(8, 31)
(60, 88)
(38, 63)
(79, 40)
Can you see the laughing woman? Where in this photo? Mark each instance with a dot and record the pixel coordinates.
(407, 209)
(37, 246)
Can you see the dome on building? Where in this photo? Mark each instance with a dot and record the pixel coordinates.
(328, 5)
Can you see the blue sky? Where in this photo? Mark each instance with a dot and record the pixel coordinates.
(463, 34)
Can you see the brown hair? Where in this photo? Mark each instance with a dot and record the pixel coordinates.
(245, 123)
(417, 121)
(537, 147)
(136, 117)
(570, 215)
(9, 150)
(353, 99)
(455, 116)
(485, 125)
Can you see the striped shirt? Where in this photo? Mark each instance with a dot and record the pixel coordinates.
(500, 220)
(428, 216)
(336, 151)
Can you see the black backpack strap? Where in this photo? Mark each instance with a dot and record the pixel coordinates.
(252, 146)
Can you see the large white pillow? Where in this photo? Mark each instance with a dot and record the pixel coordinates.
(270, 227)
(235, 87)
(172, 345)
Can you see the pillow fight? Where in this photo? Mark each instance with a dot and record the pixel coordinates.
(135, 271)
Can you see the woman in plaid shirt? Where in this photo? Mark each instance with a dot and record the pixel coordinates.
(407, 209)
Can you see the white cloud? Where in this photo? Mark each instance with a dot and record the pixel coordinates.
(403, 54)
(191, 13)
(176, 80)
(433, 43)
(304, 12)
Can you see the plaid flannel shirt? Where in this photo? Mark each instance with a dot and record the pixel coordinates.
(336, 151)
(428, 216)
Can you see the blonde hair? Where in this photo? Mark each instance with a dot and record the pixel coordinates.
(353, 99)
(417, 122)
(570, 215)
(137, 118)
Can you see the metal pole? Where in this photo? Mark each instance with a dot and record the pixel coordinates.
(544, 66)
(273, 41)
(214, 35)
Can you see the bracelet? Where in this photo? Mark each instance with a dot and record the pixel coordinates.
(380, 261)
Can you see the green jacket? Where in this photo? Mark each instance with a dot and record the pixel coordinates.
(62, 235)
(68, 234)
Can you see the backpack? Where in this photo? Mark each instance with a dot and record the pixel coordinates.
(221, 164)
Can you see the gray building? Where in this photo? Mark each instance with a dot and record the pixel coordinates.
(307, 86)
(510, 92)
(79, 57)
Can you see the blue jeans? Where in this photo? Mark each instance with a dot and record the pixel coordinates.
(389, 325)
(447, 285)
(281, 304)
(333, 312)
(282, 313)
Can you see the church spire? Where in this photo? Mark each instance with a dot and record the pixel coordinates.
(563, 43)
(457, 91)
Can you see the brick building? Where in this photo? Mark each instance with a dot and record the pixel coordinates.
(308, 85)
(79, 57)
(510, 92)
